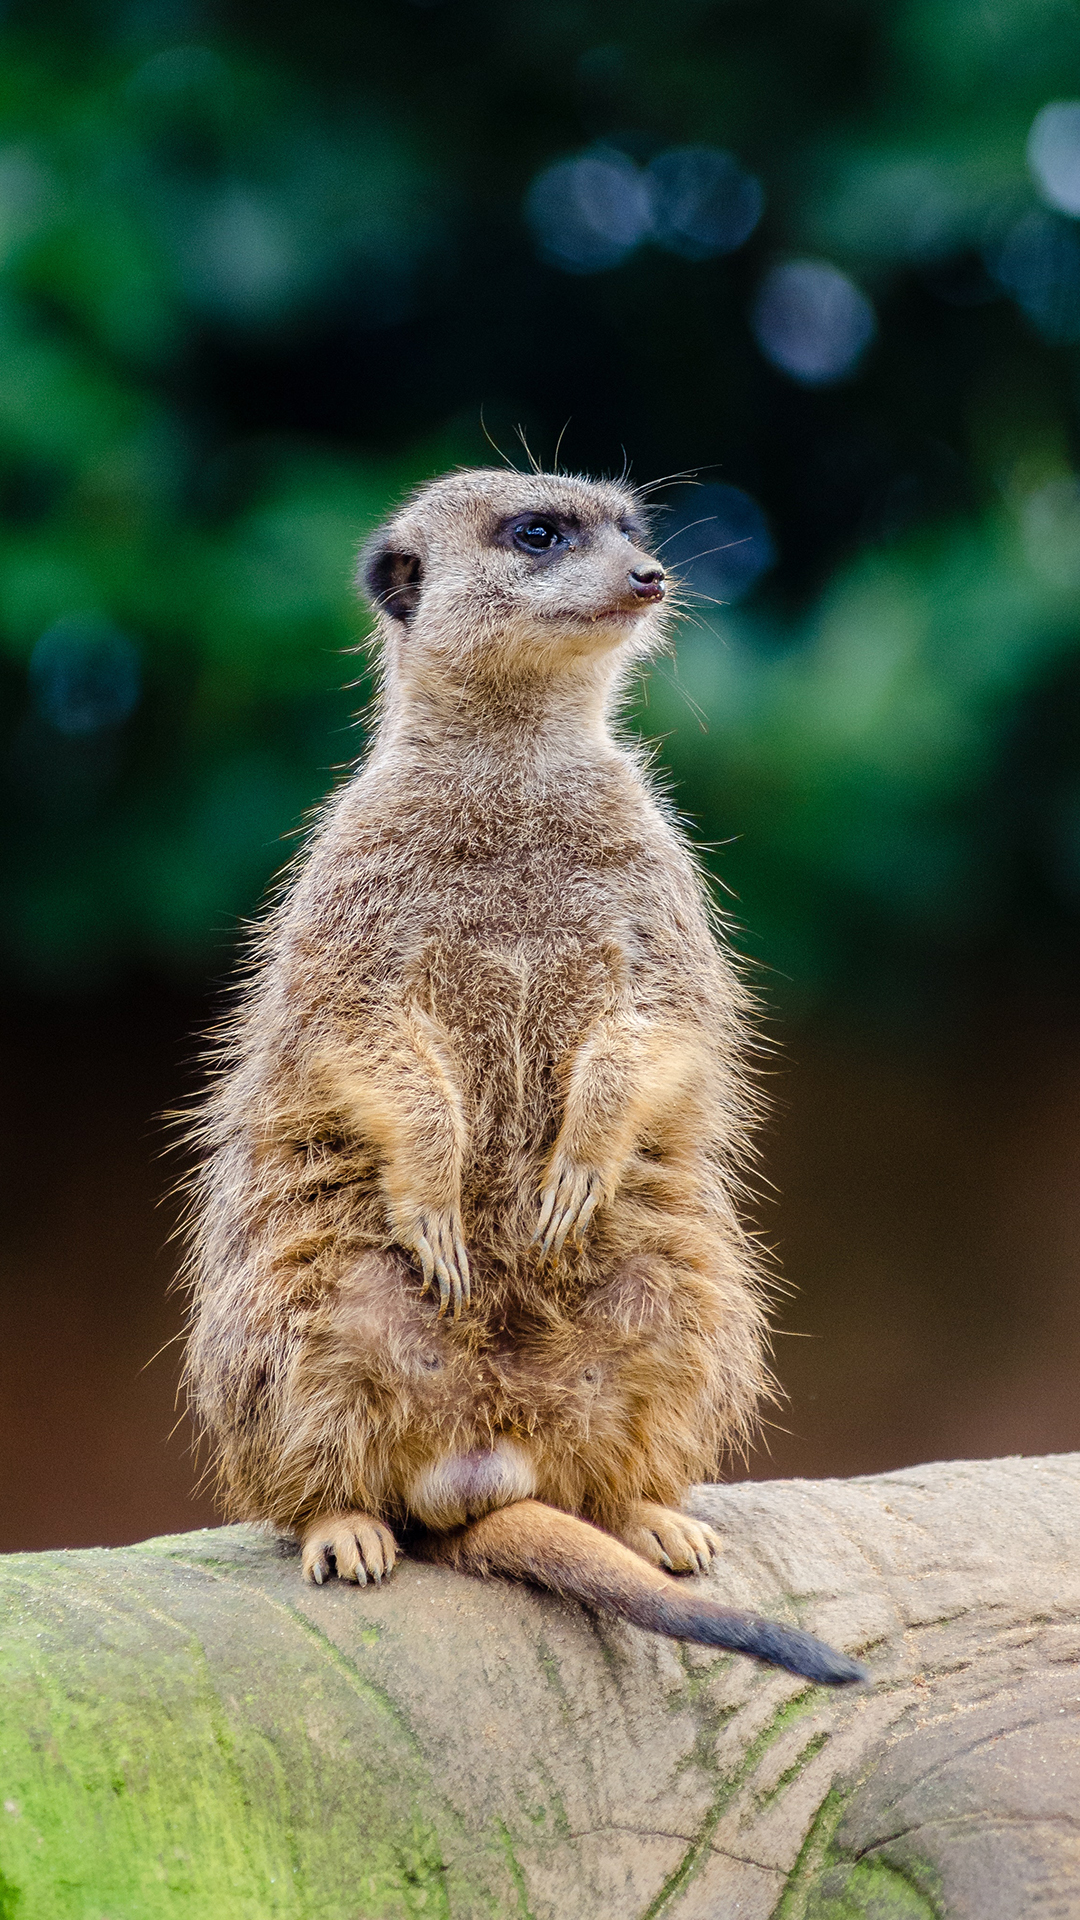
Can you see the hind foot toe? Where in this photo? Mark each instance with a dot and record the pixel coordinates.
(354, 1545)
(669, 1539)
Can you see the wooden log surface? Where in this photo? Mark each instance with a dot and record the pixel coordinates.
(186, 1729)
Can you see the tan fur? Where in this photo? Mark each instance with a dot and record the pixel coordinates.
(490, 1013)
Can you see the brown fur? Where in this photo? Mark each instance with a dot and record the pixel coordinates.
(491, 1001)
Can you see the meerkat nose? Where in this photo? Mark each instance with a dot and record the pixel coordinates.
(648, 584)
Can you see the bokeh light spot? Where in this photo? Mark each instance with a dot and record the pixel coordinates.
(178, 71)
(811, 321)
(85, 675)
(1039, 264)
(1053, 152)
(588, 214)
(242, 257)
(704, 202)
(25, 195)
(1050, 522)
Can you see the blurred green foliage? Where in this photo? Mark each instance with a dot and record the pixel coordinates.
(260, 270)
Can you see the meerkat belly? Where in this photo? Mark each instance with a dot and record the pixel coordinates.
(510, 1404)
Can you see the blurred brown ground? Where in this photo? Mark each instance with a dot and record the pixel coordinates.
(927, 1216)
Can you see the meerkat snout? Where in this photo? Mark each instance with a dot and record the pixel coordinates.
(647, 583)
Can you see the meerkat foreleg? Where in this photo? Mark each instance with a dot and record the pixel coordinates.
(623, 1076)
(402, 1095)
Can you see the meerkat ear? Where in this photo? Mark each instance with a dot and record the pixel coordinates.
(392, 580)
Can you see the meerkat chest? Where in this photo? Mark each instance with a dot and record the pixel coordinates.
(527, 899)
(513, 868)
(523, 931)
(522, 958)
(511, 907)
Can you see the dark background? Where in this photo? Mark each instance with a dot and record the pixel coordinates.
(261, 269)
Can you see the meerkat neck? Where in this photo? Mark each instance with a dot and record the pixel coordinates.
(566, 713)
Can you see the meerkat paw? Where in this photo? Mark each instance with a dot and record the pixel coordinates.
(436, 1240)
(569, 1199)
(669, 1539)
(354, 1545)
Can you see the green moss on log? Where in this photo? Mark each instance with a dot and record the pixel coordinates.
(259, 1772)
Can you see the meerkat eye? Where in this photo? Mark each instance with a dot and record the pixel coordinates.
(536, 536)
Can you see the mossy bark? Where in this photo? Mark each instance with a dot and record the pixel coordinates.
(186, 1729)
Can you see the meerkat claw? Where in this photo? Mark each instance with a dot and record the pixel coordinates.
(547, 1207)
(436, 1241)
(463, 1269)
(567, 1205)
(427, 1265)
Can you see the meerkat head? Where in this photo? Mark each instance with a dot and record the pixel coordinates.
(513, 577)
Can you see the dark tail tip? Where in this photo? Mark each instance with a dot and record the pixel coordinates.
(802, 1653)
(767, 1640)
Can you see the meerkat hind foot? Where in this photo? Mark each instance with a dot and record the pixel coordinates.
(669, 1539)
(355, 1545)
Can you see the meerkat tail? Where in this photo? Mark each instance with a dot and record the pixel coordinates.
(530, 1541)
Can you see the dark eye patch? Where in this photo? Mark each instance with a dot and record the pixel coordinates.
(541, 534)
(536, 536)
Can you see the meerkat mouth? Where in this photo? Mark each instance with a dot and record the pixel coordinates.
(626, 610)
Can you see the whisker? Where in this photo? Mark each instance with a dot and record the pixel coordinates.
(691, 620)
(722, 548)
(688, 477)
(709, 599)
(705, 518)
(529, 454)
(559, 441)
(698, 712)
(507, 462)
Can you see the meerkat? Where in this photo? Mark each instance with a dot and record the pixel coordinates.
(466, 1259)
